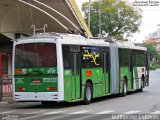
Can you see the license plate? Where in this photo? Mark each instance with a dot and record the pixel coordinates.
(36, 81)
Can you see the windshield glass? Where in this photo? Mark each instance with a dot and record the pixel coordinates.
(33, 55)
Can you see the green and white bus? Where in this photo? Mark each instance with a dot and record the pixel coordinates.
(65, 67)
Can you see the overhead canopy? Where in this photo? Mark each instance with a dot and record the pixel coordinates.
(17, 16)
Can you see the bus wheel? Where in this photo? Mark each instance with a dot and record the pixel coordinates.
(141, 89)
(87, 93)
(124, 92)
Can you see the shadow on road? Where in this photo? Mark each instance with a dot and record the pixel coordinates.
(67, 105)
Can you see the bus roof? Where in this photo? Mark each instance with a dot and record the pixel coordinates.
(80, 40)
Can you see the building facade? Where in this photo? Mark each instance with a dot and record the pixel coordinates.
(5, 57)
(154, 37)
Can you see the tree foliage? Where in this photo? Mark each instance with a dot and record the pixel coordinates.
(151, 50)
(118, 18)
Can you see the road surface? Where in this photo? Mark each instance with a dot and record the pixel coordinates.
(146, 102)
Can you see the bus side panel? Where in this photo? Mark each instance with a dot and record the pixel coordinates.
(124, 71)
(139, 68)
(137, 74)
(92, 69)
(96, 76)
(67, 85)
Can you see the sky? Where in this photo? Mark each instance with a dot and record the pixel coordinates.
(150, 18)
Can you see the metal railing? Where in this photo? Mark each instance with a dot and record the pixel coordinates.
(5, 87)
(1, 89)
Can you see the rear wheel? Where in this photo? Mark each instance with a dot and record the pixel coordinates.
(141, 89)
(124, 92)
(87, 93)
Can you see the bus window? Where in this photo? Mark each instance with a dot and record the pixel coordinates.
(34, 55)
(66, 57)
(91, 57)
(124, 57)
(140, 59)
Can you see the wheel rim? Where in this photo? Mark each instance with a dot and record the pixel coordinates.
(88, 93)
(125, 88)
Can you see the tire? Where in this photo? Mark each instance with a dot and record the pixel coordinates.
(88, 93)
(124, 92)
(141, 89)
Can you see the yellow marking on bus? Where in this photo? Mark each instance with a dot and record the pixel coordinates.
(94, 57)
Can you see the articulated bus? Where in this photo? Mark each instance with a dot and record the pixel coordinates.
(57, 67)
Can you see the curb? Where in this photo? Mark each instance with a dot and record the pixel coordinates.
(4, 102)
(11, 101)
(7, 102)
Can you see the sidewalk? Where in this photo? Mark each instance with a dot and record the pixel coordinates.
(7, 99)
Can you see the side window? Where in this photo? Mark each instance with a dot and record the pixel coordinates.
(66, 57)
(105, 58)
(136, 58)
(139, 58)
(124, 57)
(142, 59)
(91, 57)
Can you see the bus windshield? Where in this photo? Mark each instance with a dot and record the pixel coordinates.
(35, 55)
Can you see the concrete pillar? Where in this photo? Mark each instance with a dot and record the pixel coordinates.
(0, 77)
(9, 67)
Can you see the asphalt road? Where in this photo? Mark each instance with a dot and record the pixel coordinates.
(146, 102)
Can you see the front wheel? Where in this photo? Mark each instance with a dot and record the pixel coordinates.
(87, 93)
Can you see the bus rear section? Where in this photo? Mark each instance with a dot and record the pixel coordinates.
(35, 72)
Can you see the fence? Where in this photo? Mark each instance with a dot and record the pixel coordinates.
(6, 88)
(0, 89)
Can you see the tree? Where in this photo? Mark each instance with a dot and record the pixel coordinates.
(118, 18)
(152, 52)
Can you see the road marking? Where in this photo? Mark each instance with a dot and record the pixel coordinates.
(95, 114)
(54, 112)
(131, 112)
(80, 112)
(68, 115)
(44, 114)
(36, 112)
(105, 112)
(156, 112)
(7, 112)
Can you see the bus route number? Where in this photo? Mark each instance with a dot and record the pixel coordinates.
(50, 71)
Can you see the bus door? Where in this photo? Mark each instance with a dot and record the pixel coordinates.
(147, 70)
(131, 63)
(106, 72)
(76, 73)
